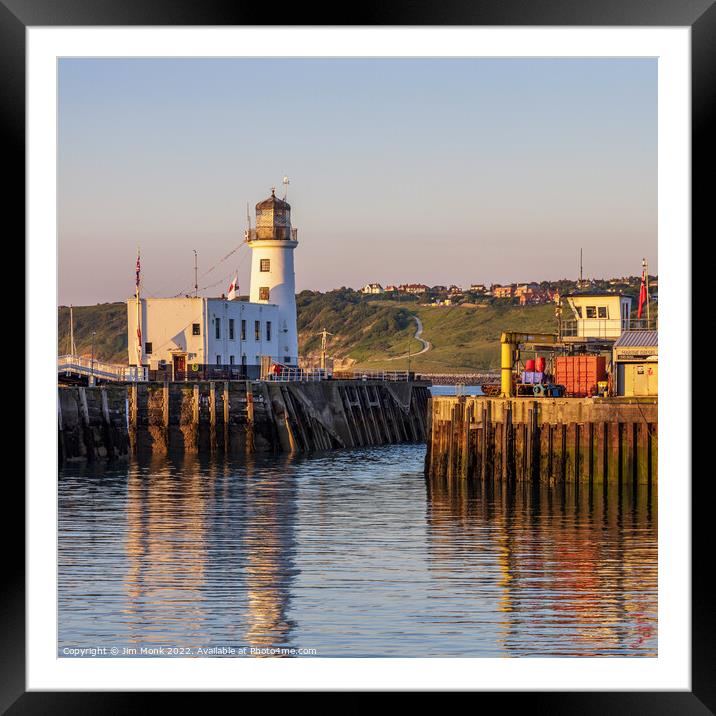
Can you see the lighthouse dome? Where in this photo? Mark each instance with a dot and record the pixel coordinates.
(273, 203)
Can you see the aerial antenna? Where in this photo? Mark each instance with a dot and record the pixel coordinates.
(196, 274)
(286, 182)
(580, 268)
(324, 345)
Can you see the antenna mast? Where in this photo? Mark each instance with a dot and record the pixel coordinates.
(72, 332)
(196, 274)
(285, 182)
(581, 277)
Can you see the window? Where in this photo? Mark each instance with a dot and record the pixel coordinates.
(257, 330)
(231, 360)
(217, 323)
(268, 330)
(243, 359)
(265, 265)
(591, 312)
(148, 348)
(602, 311)
(263, 293)
(287, 359)
(218, 360)
(195, 330)
(231, 329)
(243, 329)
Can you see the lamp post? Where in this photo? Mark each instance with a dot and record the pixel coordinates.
(91, 380)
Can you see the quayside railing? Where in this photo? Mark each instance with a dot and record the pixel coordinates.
(99, 370)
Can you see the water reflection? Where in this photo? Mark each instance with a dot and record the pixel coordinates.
(557, 560)
(352, 554)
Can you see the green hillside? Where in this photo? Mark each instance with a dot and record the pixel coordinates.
(107, 320)
(367, 332)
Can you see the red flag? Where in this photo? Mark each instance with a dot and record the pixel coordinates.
(642, 294)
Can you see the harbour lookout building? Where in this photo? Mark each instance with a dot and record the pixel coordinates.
(219, 336)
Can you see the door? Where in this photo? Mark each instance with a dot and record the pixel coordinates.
(179, 364)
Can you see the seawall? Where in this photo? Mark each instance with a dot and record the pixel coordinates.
(238, 417)
(595, 440)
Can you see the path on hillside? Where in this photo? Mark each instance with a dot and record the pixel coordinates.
(418, 336)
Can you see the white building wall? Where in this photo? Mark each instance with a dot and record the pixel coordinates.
(168, 324)
(280, 279)
(238, 346)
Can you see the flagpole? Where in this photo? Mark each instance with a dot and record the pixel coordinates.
(72, 332)
(646, 274)
(139, 315)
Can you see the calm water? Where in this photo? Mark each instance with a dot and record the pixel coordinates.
(351, 555)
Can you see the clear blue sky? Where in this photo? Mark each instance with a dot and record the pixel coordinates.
(412, 170)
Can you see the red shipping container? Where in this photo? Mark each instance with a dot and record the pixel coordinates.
(580, 374)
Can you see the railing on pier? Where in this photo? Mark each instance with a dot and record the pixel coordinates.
(290, 375)
(384, 375)
(317, 374)
(99, 370)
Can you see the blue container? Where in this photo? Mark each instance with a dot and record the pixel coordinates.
(531, 377)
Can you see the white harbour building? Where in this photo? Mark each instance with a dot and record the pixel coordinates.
(219, 336)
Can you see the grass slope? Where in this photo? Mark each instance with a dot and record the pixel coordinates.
(467, 338)
(367, 331)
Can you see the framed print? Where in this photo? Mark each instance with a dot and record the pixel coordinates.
(362, 379)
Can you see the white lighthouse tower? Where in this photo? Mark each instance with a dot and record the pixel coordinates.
(273, 279)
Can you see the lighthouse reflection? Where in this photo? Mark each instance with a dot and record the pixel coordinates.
(553, 561)
(207, 537)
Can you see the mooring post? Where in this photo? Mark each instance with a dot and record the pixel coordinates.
(165, 412)
(195, 414)
(225, 398)
(212, 415)
(249, 447)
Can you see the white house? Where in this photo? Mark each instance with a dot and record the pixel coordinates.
(200, 334)
(595, 315)
(372, 288)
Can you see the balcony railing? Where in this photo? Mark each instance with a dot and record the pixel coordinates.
(604, 328)
(277, 233)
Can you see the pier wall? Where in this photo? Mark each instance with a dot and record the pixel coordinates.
(238, 417)
(92, 423)
(572, 440)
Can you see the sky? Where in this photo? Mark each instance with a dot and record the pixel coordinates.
(435, 171)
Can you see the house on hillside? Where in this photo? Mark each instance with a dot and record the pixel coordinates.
(503, 291)
(372, 288)
(414, 288)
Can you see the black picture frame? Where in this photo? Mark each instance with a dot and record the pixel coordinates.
(699, 15)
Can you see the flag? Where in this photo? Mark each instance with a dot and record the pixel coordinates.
(138, 270)
(233, 289)
(643, 298)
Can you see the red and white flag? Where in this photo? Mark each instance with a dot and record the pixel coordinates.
(643, 297)
(233, 289)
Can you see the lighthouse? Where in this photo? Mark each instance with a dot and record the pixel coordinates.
(273, 279)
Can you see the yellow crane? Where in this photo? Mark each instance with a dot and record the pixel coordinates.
(509, 341)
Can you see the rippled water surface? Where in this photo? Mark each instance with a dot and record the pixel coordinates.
(350, 554)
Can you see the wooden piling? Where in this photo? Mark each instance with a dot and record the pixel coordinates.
(571, 441)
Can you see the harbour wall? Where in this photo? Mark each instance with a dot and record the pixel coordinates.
(238, 417)
(568, 440)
